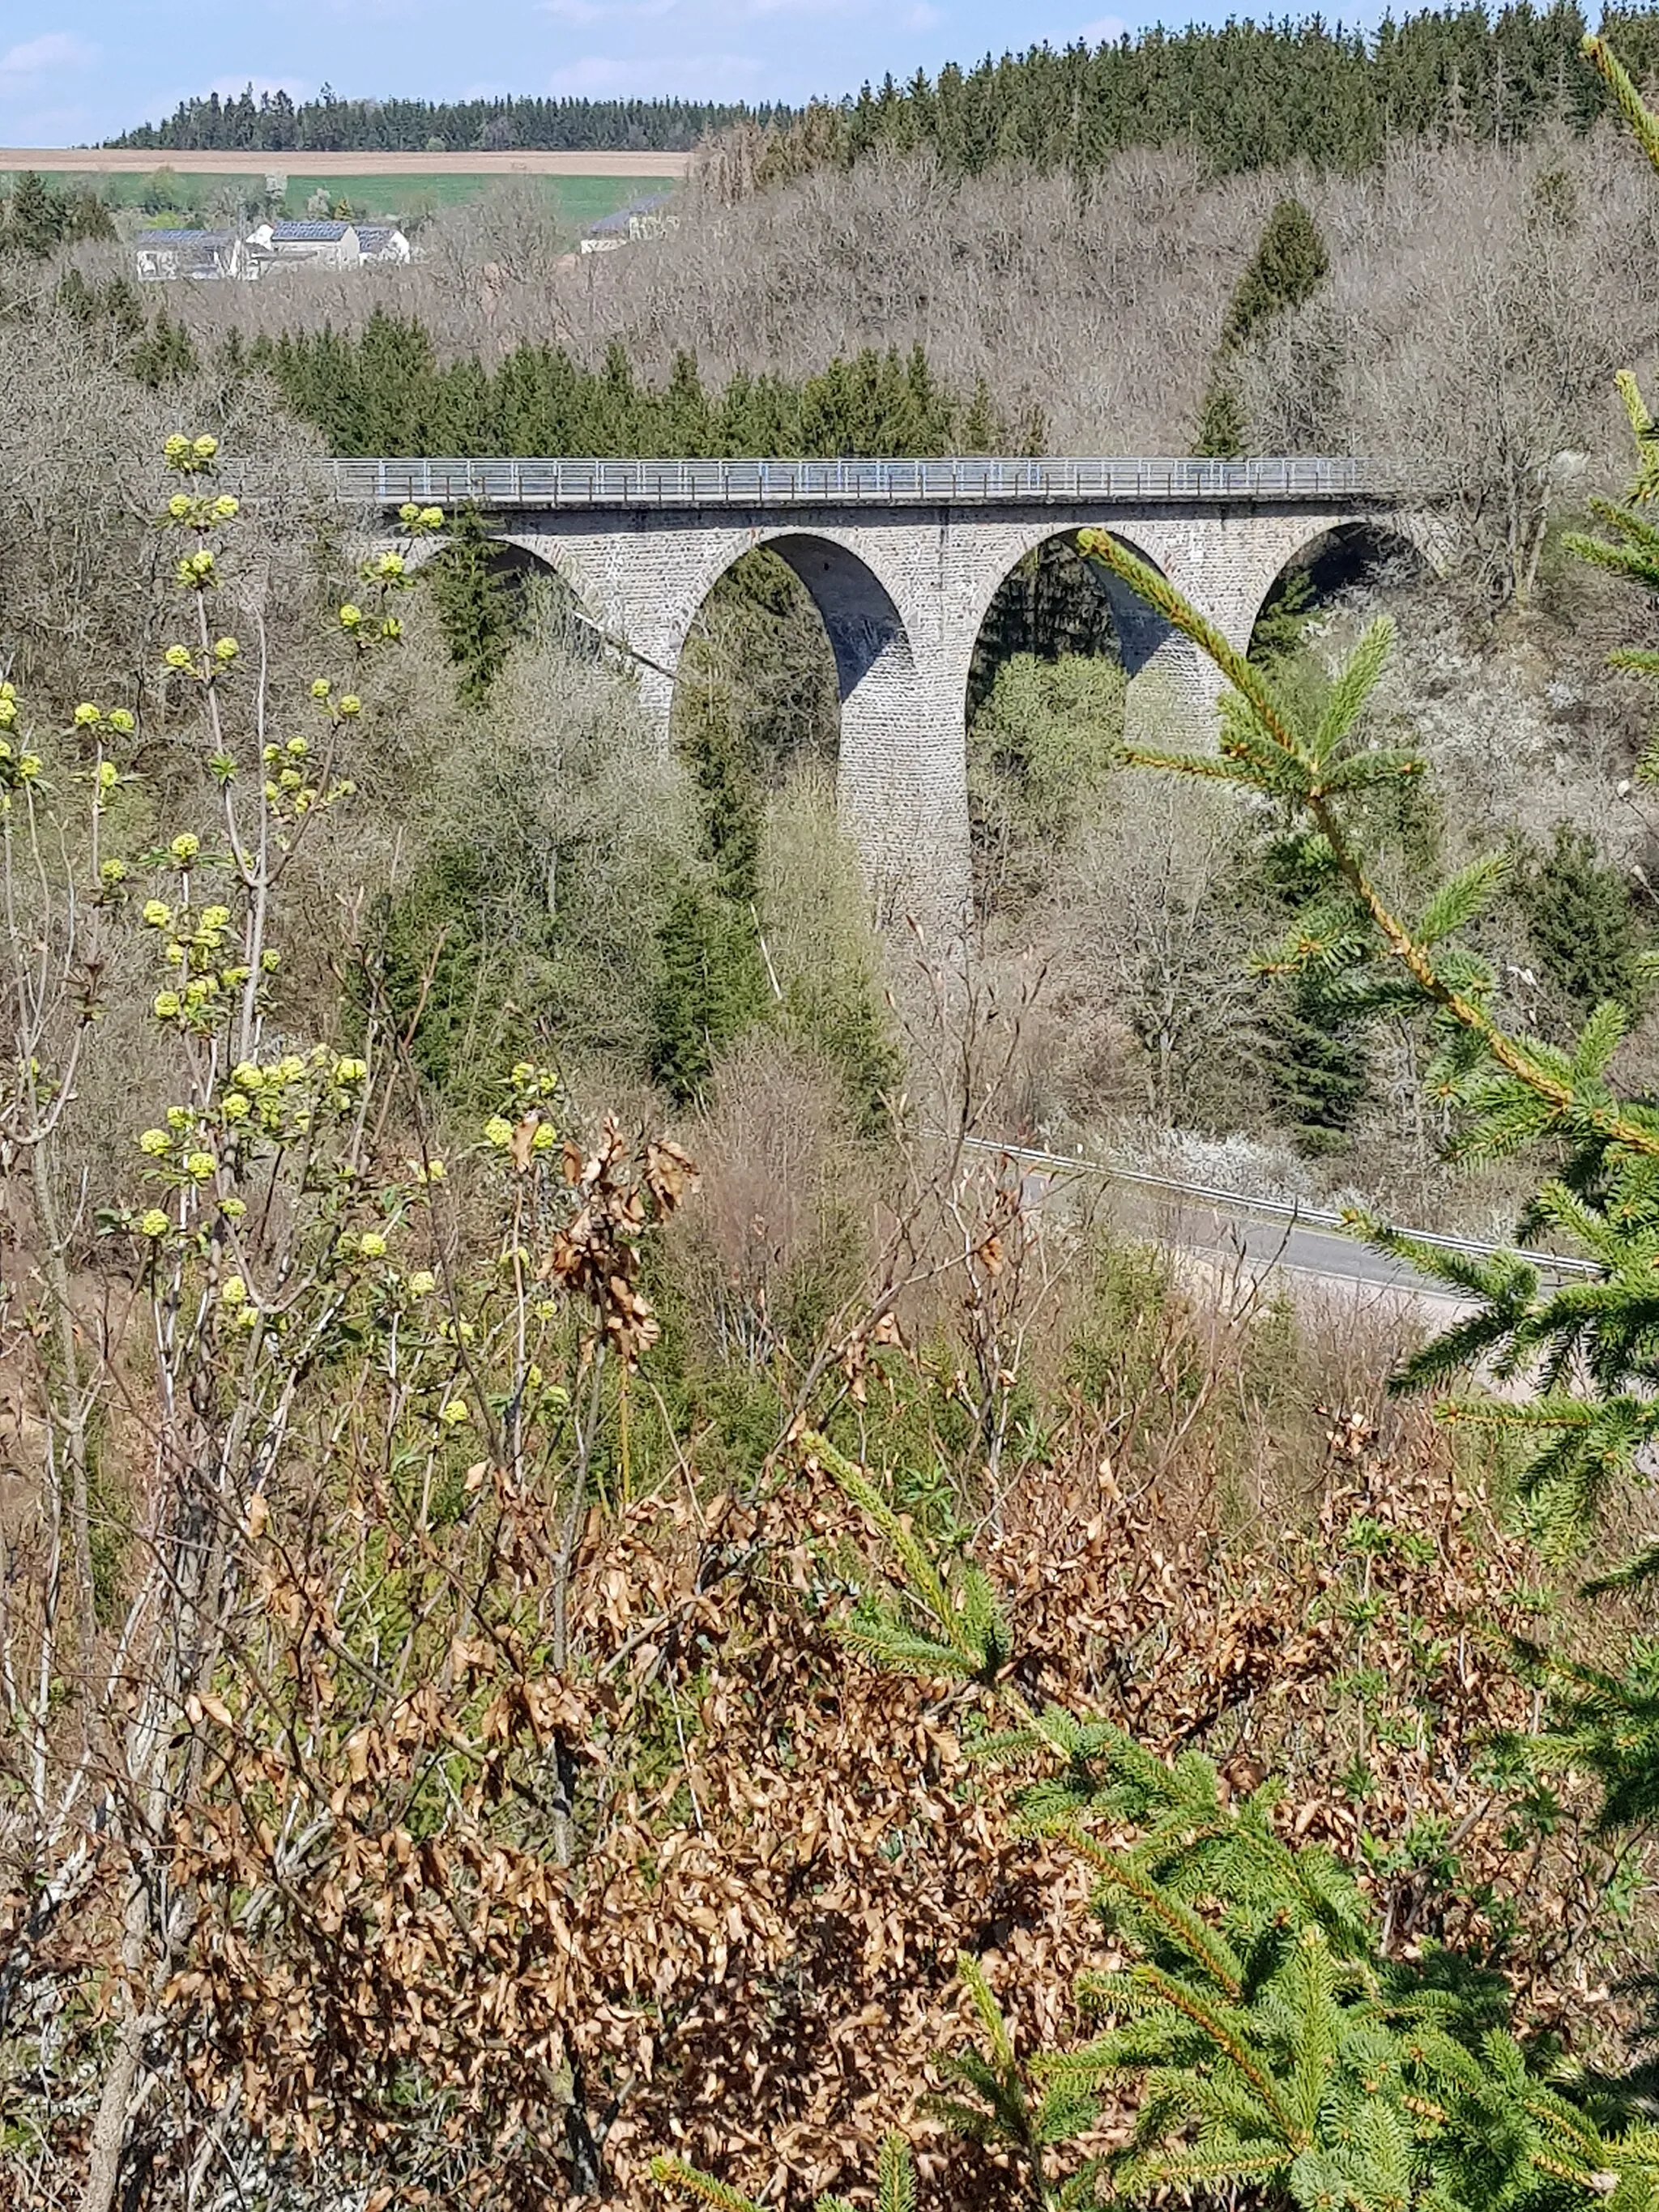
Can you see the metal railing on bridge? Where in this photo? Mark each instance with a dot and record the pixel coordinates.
(970, 482)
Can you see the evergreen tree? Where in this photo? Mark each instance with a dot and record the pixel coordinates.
(1289, 265)
(1287, 268)
(1582, 923)
(35, 218)
(476, 604)
(712, 989)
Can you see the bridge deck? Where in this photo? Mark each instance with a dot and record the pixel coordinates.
(969, 483)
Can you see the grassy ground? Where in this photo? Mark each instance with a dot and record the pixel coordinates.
(580, 200)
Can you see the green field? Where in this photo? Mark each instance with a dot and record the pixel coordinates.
(579, 200)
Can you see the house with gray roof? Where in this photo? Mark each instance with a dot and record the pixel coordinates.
(164, 255)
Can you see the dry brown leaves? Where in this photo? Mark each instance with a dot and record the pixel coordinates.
(781, 1852)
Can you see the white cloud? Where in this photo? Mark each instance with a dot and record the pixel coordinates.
(1105, 30)
(54, 50)
(924, 18)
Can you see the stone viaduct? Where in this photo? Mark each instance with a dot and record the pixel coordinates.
(903, 560)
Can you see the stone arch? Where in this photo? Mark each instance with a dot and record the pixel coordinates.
(901, 764)
(1166, 688)
(1344, 551)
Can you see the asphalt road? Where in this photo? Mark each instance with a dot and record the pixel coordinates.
(1232, 1233)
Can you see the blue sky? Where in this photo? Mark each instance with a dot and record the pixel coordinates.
(73, 71)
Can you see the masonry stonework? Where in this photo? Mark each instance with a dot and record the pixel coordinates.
(903, 591)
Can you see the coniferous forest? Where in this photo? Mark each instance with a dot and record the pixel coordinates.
(609, 1594)
(1247, 95)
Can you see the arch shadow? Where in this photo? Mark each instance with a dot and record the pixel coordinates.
(1365, 551)
(1051, 602)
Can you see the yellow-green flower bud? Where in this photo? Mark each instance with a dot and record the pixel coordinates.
(232, 1208)
(154, 1223)
(455, 1412)
(28, 766)
(113, 872)
(431, 518)
(235, 1107)
(122, 721)
(154, 1142)
(86, 714)
(179, 507)
(108, 777)
(200, 1164)
(351, 704)
(321, 688)
(166, 1005)
(177, 449)
(498, 1132)
(271, 962)
(232, 1292)
(297, 747)
(226, 508)
(205, 448)
(158, 914)
(226, 650)
(185, 848)
(248, 1077)
(373, 1245)
(178, 656)
(422, 1282)
(350, 615)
